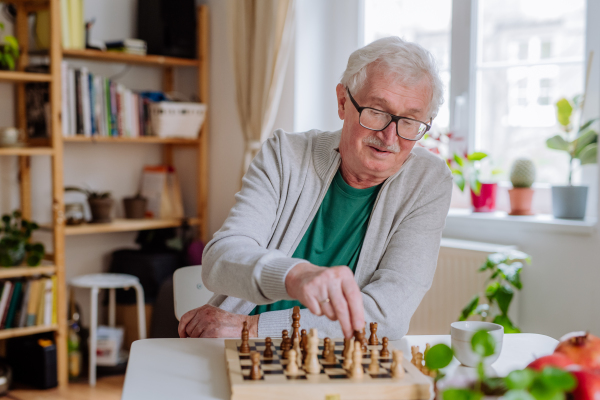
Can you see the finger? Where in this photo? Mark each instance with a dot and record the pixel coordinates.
(311, 302)
(327, 308)
(181, 329)
(340, 306)
(353, 296)
(196, 330)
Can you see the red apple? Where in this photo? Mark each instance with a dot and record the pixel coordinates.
(558, 360)
(582, 348)
(588, 386)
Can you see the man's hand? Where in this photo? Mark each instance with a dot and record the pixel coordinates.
(331, 291)
(212, 322)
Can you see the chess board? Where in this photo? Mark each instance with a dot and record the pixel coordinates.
(333, 383)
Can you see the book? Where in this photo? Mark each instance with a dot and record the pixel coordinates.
(78, 104)
(14, 303)
(65, 24)
(34, 302)
(65, 118)
(71, 102)
(76, 24)
(6, 299)
(54, 300)
(39, 317)
(23, 313)
(48, 301)
(85, 102)
(6, 291)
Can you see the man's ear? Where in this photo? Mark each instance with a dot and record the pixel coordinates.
(341, 100)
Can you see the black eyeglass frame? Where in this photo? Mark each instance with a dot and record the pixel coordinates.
(395, 118)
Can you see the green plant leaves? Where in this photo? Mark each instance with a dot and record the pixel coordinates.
(469, 308)
(518, 395)
(506, 323)
(589, 155)
(558, 379)
(476, 156)
(459, 160)
(459, 179)
(512, 273)
(557, 142)
(564, 109)
(483, 343)
(504, 296)
(461, 394)
(438, 357)
(520, 379)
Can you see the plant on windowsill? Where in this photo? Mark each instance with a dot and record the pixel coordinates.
(100, 203)
(467, 170)
(505, 277)
(9, 51)
(15, 246)
(522, 176)
(581, 144)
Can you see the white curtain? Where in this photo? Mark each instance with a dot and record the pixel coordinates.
(262, 34)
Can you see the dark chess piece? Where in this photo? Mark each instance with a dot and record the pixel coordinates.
(268, 353)
(245, 347)
(296, 323)
(384, 353)
(373, 341)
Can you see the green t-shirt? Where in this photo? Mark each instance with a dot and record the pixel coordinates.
(335, 235)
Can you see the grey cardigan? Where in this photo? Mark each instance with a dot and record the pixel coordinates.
(247, 260)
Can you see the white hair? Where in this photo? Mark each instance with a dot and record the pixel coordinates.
(405, 61)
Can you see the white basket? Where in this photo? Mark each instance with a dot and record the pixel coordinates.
(177, 120)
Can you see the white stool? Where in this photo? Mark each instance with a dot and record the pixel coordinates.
(95, 282)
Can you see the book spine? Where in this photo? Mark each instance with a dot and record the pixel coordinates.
(108, 107)
(85, 96)
(113, 109)
(6, 304)
(34, 300)
(39, 318)
(65, 119)
(23, 315)
(14, 303)
(48, 303)
(78, 103)
(71, 102)
(65, 24)
(94, 128)
(4, 298)
(54, 300)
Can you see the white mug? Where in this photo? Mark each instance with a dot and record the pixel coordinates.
(461, 334)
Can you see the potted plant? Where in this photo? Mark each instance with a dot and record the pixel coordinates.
(15, 246)
(522, 176)
(9, 51)
(468, 169)
(101, 204)
(582, 144)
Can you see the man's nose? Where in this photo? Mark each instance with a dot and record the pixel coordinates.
(388, 135)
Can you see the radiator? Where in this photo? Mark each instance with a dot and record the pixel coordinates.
(456, 281)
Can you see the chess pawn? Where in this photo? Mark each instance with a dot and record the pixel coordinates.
(284, 344)
(364, 341)
(356, 370)
(268, 353)
(419, 362)
(397, 370)
(312, 365)
(348, 356)
(255, 372)
(385, 353)
(296, 349)
(427, 347)
(325, 353)
(245, 347)
(331, 356)
(373, 340)
(303, 343)
(414, 350)
(374, 366)
(292, 367)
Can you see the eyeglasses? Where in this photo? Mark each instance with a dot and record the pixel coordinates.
(377, 120)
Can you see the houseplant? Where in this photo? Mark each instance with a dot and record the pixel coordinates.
(15, 246)
(522, 176)
(581, 144)
(505, 276)
(100, 203)
(467, 169)
(9, 50)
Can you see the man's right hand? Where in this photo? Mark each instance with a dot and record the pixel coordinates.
(329, 291)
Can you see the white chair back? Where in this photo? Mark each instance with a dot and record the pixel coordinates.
(188, 290)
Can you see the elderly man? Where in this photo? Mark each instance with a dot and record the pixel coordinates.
(345, 224)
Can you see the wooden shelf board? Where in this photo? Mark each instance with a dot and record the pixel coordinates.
(126, 225)
(26, 151)
(109, 56)
(30, 330)
(142, 139)
(18, 76)
(15, 272)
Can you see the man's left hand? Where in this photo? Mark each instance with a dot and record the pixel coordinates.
(212, 322)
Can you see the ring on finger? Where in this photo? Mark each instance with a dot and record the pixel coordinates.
(324, 301)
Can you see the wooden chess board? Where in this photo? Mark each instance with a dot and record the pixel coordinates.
(333, 383)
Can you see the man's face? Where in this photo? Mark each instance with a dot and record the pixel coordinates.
(377, 155)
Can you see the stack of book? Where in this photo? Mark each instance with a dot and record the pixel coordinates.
(28, 302)
(130, 46)
(93, 105)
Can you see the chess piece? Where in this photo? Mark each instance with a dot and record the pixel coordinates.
(360, 337)
(312, 365)
(397, 370)
(268, 353)
(348, 356)
(296, 348)
(414, 350)
(303, 343)
(419, 361)
(284, 343)
(373, 340)
(245, 347)
(374, 366)
(292, 367)
(427, 347)
(331, 356)
(325, 353)
(255, 372)
(364, 341)
(296, 323)
(347, 343)
(356, 370)
(385, 353)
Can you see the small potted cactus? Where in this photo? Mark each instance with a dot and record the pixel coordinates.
(522, 176)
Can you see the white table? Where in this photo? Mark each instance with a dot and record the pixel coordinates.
(195, 368)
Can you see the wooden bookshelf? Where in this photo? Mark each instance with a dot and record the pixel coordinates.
(17, 272)
(127, 225)
(30, 330)
(110, 56)
(19, 76)
(26, 151)
(141, 139)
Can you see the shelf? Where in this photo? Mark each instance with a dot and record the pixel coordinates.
(26, 151)
(126, 225)
(109, 56)
(30, 330)
(18, 76)
(141, 139)
(15, 272)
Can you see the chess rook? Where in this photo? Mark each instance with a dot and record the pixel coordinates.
(373, 341)
(312, 365)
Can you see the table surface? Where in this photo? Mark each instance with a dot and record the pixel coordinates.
(195, 368)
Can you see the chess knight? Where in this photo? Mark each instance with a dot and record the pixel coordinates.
(345, 224)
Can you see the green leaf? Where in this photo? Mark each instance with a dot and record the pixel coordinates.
(589, 155)
(557, 142)
(512, 273)
(587, 125)
(520, 379)
(483, 343)
(438, 357)
(564, 109)
(504, 296)
(542, 392)
(558, 379)
(491, 289)
(459, 180)
(9, 61)
(476, 156)
(506, 323)
(469, 308)
(459, 160)
(34, 259)
(11, 41)
(475, 185)
(38, 248)
(461, 394)
(586, 138)
(518, 395)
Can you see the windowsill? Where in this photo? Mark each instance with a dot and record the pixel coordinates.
(540, 222)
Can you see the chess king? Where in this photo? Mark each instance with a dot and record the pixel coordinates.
(345, 224)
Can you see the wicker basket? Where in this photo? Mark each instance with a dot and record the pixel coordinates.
(177, 120)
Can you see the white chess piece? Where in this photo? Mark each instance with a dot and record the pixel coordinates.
(397, 369)
(312, 365)
(292, 367)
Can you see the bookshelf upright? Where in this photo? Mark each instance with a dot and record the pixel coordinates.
(54, 147)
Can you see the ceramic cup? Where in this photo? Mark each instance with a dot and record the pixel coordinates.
(461, 334)
(9, 137)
